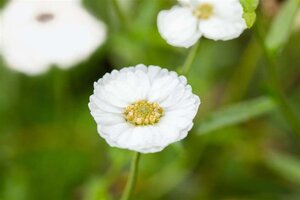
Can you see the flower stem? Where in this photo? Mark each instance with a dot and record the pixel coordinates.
(120, 14)
(132, 177)
(285, 107)
(238, 85)
(278, 93)
(189, 60)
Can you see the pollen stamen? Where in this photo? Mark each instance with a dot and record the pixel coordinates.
(143, 113)
(204, 11)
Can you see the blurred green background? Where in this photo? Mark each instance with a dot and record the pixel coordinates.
(242, 146)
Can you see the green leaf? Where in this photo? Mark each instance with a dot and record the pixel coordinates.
(249, 18)
(249, 7)
(281, 27)
(236, 114)
(285, 165)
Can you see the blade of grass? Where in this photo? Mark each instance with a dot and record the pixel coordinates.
(120, 14)
(285, 165)
(238, 85)
(236, 114)
(280, 30)
(271, 44)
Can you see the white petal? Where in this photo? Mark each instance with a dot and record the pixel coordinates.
(31, 46)
(121, 91)
(115, 133)
(153, 72)
(226, 23)
(161, 89)
(139, 84)
(141, 67)
(168, 133)
(108, 118)
(178, 26)
(104, 106)
(140, 137)
(142, 85)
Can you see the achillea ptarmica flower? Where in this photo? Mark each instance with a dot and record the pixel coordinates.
(182, 26)
(143, 108)
(37, 34)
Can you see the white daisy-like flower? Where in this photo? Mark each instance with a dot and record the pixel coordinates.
(143, 109)
(182, 26)
(37, 34)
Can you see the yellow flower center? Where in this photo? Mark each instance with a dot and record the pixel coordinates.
(143, 113)
(204, 11)
(44, 17)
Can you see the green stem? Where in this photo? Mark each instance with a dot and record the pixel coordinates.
(189, 60)
(120, 14)
(238, 85)
(132, 177)
(60, 94)
(279, 95)
(285, 107)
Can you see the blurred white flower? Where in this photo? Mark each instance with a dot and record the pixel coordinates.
(37, 34)
(184, 2)
(143, 108)
(183, 25)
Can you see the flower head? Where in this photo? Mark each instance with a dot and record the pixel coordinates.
(37, 34)
(143, 108)
(183, 25)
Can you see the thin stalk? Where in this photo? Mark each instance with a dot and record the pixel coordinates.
(120, 14)
(285, 107)
(186, 67)
(60, 94)
(132, 177)
(278, 93)
(243, 73)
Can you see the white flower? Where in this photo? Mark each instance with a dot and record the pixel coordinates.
(184, 2)
(143, 108)
(182, 26)
(37, 34)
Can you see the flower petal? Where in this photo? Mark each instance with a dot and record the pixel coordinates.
(31, 43)
(178, 26)
(226, 23)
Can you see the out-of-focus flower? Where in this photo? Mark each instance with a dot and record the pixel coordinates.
(143, 108)
(183, 25)
(184, 2)
(37, 34)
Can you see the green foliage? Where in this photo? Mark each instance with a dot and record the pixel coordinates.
(287, 166)
(280, 29)
(249, 7)
(236, 114)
